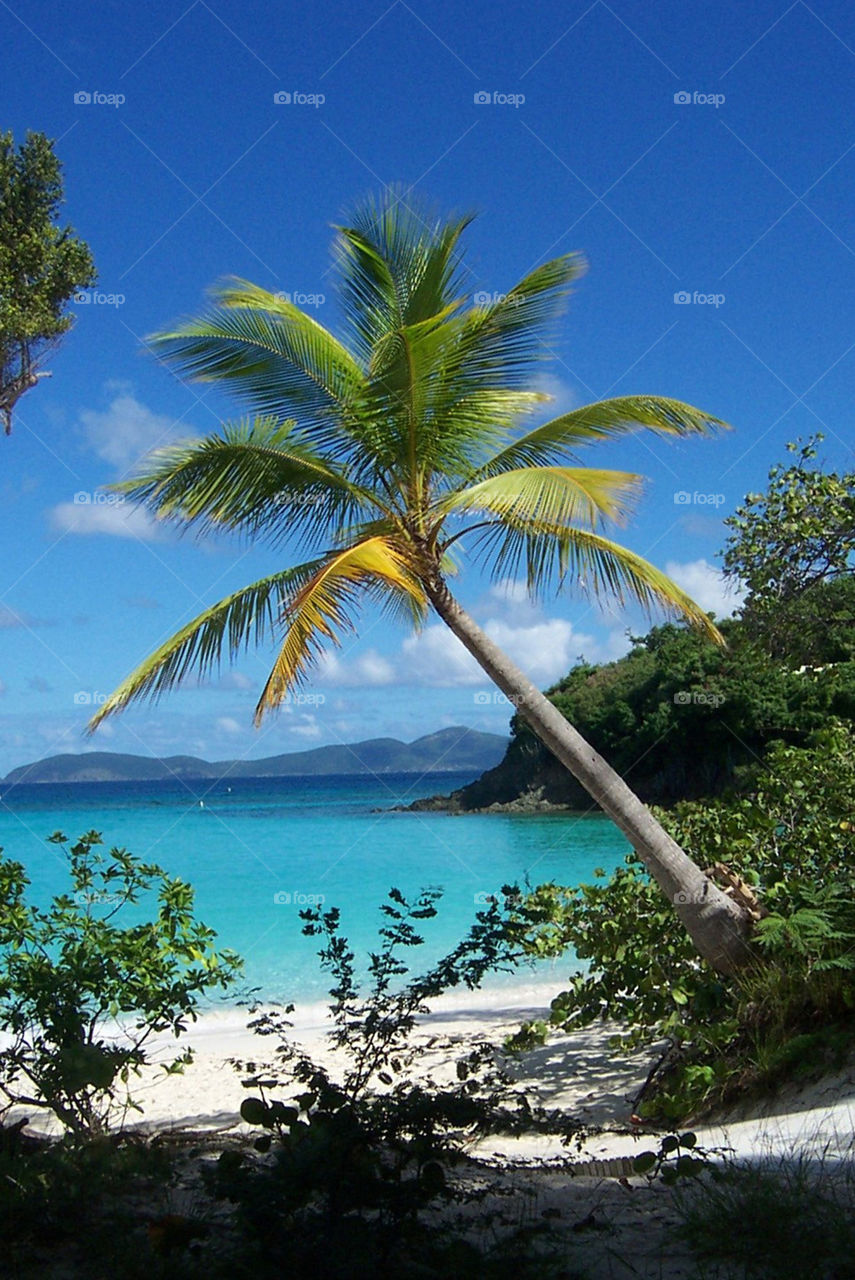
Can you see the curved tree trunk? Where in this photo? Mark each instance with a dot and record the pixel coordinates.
(717, 925)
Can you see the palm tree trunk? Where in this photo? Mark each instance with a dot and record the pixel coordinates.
(718, 926)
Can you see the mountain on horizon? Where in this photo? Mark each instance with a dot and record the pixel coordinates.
(455, 749)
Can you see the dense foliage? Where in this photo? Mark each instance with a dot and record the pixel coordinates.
(678, 717)
(358, 1171)
(792, 841)
(793, 547)
(42, 264)
(681, 718)
(83, 988)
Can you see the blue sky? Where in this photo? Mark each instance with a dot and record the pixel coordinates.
(736, 193)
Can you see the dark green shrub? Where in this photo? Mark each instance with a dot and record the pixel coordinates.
(348, 1164)
(792, 841)
(83, 989)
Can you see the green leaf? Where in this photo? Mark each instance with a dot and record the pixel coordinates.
(254, 1111)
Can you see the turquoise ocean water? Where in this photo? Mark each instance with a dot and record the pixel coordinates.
(257, 850)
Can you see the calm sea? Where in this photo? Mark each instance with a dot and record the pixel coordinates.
(257, 850)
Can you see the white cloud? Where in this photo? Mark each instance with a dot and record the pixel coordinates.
(511, 597)
(127, 429)
(121, 434)
(116, 519)
(369, 668)
(707, 585)
(308, 729)
(513, 589)
(234, 680)
(435, 656)
(225, 724)
(545, 648)
(564, 396)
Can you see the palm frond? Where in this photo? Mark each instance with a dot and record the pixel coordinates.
(502, 343)
(397, 265)
(279, 359)
(401, 374)
(256, 477)
(553, 556)
(322, 609)
(551, 495)
(555, 440)
(245, 617)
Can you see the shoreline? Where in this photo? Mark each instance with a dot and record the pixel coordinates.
(579, 1073)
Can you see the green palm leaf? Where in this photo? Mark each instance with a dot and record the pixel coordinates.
(256, 477)
(600, 421)
(552, 555)
(397, 266)
(502, 343)
(550, 495)
(279, 359)
(249, 616)
(322, 609)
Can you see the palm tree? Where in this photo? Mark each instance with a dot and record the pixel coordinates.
(403, 443)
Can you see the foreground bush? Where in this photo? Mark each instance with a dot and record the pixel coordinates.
(352, 1163)
(773, 1219)
(791, 842)
(355, 1171)
(86, 983)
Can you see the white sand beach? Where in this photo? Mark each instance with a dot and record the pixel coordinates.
(627, 1226)
(580, 1073)
(619, 1228)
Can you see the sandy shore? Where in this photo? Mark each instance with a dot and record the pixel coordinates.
(580, 1073)
(629, 1228)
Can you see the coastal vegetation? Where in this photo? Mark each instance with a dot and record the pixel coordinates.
(792, 549)
(349, 1164)
(42, 265)
(680, 717)
(787, 846)
(774, 743)
(86, 984)
(683, 718)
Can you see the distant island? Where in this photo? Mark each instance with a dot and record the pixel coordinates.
(453, 750)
